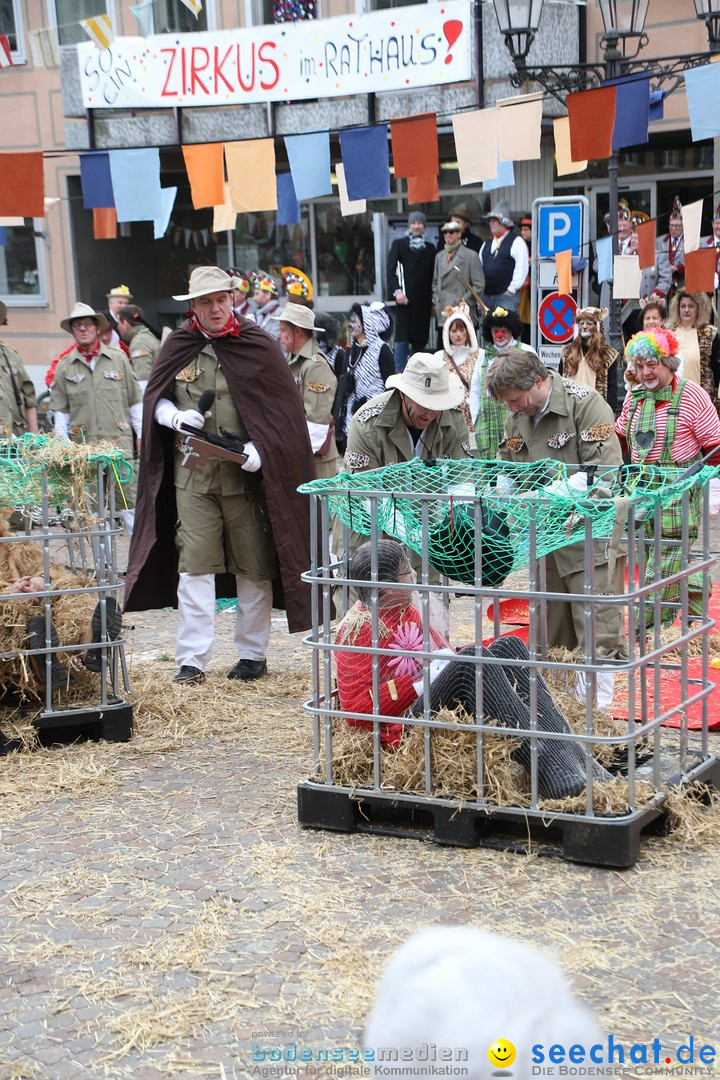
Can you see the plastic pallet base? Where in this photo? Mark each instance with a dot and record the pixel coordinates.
(612, 842)
(113, 722)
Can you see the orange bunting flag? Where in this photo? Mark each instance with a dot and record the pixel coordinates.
(563, 268)
(700, 270)
(105, 223)
(592, 120)
(423, 189)
(22, 191)
(646, 233)
(415, 146)
(204, 164)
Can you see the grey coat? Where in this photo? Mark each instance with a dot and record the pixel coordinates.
(448, 288)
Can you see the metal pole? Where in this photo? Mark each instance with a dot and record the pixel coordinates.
(613, 58)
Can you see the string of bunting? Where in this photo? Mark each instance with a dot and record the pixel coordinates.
(123, 185)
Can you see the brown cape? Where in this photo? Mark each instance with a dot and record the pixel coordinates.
(267, 398)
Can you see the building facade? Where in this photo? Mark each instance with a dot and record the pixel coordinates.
(48, 264)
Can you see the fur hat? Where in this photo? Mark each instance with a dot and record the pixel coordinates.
(459, 986)
(598, 315)
(461, 313)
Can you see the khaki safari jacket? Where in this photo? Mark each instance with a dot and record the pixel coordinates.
(98, 401)
(12, 371)
(378, 435)
(578, 428)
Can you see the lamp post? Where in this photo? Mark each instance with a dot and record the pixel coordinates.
(624, 26)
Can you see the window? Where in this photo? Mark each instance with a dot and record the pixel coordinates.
(11, 24)
(172, 17)
(22, 264)
(263, 12)
(66, 16)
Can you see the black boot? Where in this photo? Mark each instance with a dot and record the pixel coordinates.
(113, 618)
(36, 640)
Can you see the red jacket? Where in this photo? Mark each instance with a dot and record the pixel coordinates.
(399, 626)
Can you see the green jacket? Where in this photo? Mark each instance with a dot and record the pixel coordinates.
(378, 435)
(98, 401)
(578, 428)
(12, 371)
(144, 347)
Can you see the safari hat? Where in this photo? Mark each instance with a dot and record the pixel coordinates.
(209, 279)
(451, 226)
(119, 291)
(84, 311)
(299, 315)
(428, 382)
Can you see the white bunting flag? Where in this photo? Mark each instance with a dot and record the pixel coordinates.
(44, 47)
(99, 29)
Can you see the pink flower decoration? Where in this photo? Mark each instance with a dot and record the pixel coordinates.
(408, 636)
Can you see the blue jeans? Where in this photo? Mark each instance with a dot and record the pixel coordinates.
(402, 352)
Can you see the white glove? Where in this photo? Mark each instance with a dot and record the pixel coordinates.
(253, 462)
(436, 666)
(189, 417)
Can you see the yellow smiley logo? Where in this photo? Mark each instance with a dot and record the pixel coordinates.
(501, 1053)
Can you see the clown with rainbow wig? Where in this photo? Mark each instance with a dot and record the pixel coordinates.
(668, 420)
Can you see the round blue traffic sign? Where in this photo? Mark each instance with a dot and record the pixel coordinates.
(556, 318)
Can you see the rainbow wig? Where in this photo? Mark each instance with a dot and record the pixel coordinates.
(659, 344)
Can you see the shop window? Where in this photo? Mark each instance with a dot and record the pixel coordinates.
(21, 265)
(66, 16)
(345, 252)
(11, 25)
(261, 244)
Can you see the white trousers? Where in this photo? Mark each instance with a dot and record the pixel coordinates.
(196, 619)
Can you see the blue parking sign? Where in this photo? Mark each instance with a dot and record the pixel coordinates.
(559, 229)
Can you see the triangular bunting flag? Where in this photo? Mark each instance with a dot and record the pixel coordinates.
(145, 18)
(5, 57)
(193, 5)
(99, 29)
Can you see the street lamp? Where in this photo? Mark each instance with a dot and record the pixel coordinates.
(710, 13)
(623, 20)
(519, 21)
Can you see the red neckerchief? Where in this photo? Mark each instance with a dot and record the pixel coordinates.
(230, 329)
(88, 353)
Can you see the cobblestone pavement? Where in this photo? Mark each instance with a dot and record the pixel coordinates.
(163, 915)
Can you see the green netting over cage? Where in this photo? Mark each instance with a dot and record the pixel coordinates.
(433, 506)
(34, 465)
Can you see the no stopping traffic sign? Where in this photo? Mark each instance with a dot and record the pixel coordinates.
(556, 318)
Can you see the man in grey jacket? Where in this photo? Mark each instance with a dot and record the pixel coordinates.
(458, 275)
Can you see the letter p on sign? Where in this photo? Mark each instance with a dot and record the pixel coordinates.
(560, 229)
